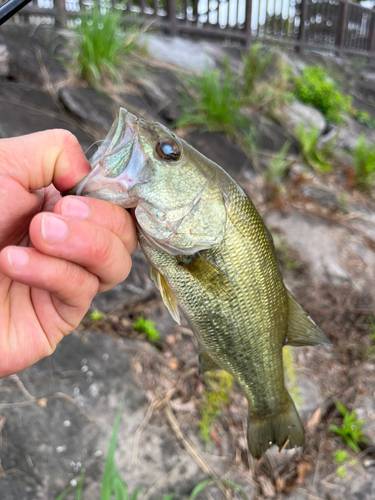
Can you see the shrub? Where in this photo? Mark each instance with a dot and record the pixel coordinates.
(317, 88)
(364, 162)
(212, 101)
(98, 43)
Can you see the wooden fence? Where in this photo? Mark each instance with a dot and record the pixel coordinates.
(332, 25)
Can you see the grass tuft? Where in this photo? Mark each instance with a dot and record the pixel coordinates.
(147, 327)
(351, 431)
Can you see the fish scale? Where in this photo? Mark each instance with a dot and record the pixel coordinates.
(212, 258)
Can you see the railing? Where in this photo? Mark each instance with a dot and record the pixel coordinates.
(333, 25)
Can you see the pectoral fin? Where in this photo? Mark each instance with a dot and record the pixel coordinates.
(166, 294)
(206, 364)
(302, 330)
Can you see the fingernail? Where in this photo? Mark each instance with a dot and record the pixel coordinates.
(53, 229)
(72, 207)
(18, 258)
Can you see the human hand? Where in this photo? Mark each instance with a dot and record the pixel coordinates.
(51, 266)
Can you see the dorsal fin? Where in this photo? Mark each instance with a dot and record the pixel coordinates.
(302, 330)
(166, 294)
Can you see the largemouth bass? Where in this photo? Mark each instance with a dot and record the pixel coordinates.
(211, 256)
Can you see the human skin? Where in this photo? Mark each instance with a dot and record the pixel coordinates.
(55, 254)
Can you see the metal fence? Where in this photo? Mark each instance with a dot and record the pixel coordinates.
(338, 25)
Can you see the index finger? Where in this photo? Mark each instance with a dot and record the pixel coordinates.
(37, 160)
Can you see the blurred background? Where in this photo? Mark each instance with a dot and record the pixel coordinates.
(281, 94)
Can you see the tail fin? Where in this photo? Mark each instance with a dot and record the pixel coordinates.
(284, 427)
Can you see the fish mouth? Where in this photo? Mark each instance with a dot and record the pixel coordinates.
(117, 165)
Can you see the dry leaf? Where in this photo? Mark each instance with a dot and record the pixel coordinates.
(173, 363)
(303, 468)
(42, 402)
(266, 486)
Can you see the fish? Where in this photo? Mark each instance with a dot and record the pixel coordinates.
(212, 258)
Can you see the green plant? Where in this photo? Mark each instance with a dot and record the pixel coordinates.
(364, 161)
(96, 315)
(220, 384)
(98, 42)
(340, 456)
(277, 166)
(255, 62)
(147, 327)
(371, 321)
(212, 101)
(364, 118)
(308, 140)
(317, 88)
(351, 429)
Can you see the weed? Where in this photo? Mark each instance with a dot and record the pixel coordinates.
(255, 62)
(371, 321)
(364, 162)
(220, 384)
(147, 327)
(308, 140)
(363, 117)
(291, 375)
(317, 88)
(98, 43)
(277, 166)
(340, 456)
(96, 315)
(351, 429)
(212, 101)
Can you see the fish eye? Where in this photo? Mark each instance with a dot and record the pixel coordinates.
(168, 149)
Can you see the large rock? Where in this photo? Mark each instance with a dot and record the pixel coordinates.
(181, 52)
(88, 106)
(24, 110)
(291, 115)
(312, 238)
(57, 417)
(30, 52)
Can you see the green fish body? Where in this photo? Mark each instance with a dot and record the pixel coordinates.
(212, 257)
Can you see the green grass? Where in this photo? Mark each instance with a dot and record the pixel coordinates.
(148, 328)
(255, 62)
(98, 43)
(277, 166)
(220, 384)
(212, 101)
(351, 431)
(364, 162)
(317, 88)
(308, 140)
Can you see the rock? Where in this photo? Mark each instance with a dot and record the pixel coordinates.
(181, 52)
(220, 150)
(269, 135)
(137, 287)
(4, 60)
(323, 197)
(160, 89)
(291, 115)
(24, 110)
(348, 135)
(88, 106)
(311, 237)
(66, 424)
(30, 51)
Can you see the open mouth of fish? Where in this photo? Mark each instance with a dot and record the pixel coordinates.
(117, 165)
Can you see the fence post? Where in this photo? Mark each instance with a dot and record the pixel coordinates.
(249, 6)
(342, 24)
(371, 45)
(303, 17)
(60, 13)
(171, 9)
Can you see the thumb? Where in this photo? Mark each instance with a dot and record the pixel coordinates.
(37, 160)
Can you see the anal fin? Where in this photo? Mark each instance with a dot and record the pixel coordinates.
(302, 331)
(206, 364)
(166, 293)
